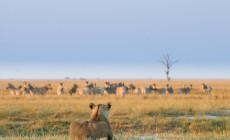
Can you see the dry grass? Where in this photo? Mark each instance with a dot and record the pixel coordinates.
(133, 115)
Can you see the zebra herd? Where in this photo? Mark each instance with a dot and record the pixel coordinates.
(28, 89)
(109, 88)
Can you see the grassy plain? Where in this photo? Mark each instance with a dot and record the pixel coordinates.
(193, 116)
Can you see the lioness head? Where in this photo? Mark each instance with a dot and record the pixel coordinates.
(100, 111)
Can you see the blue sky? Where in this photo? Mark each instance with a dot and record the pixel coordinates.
(42, 39)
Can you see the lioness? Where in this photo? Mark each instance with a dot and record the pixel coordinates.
(96, 127)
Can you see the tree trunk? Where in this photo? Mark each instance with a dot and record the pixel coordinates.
(167, 75)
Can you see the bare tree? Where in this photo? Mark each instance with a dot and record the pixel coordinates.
(168, 63)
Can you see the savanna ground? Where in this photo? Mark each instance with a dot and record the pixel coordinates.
(189, 117)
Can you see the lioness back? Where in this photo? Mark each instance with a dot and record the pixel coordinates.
(98, 129)
(78, 131)
(97, 126)
(93, 129)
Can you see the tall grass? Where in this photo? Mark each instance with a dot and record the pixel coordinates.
(167, 116)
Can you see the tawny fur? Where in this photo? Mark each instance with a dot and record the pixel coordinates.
(96, 127)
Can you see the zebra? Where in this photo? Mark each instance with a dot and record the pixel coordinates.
(79, 91)
(207, 89)
(110, 88)
(60, 90)
(147, 90)
(17, 91)
(169, 89)
(134, 89)
(185, 90)
(73, 90)
(39, 90)
(157, 90)
(87, 88)
(121, 90)
(97, 90)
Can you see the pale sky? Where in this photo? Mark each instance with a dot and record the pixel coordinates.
(46, 39)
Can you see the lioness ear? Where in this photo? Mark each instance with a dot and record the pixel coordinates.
(91, 105)
(109, 105)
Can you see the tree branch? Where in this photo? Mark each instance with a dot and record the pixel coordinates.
(168, 63)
